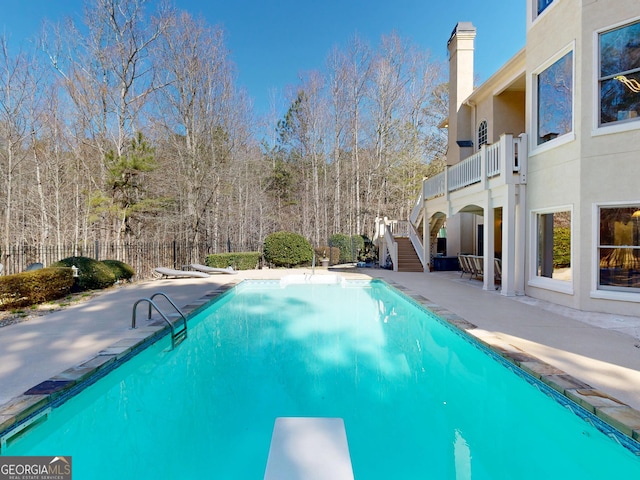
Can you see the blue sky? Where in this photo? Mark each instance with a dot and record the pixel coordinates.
(272, 42)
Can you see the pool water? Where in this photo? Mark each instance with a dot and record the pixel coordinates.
(418, 399)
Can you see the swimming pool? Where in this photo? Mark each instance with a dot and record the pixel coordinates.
(418, 399)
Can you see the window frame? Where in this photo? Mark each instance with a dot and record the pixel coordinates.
(537, 10)
(533, 14)
(482, 123)
(570, 136)
(612, 127)
(629, 294)
(554, 284)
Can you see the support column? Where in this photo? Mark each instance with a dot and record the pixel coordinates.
(489, 244)
(426, 237)
(520, 239)
(509, 242)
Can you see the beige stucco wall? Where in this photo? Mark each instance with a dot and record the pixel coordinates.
(592, 168)
(509, 114)
(554, 167)
(587, 167)
(611, 161)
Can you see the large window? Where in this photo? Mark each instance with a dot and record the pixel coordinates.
(619, 247)
(555, 99)
(554, 245)
(619, 77)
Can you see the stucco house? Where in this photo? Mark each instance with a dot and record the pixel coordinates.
(544, 161)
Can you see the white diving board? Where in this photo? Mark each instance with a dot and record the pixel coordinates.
(304, 448)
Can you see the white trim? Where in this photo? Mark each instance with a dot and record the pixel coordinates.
(570, 136)
(615, 295)
(477, 139)
(609, 128)
(532, 11)
(561, 286)
(551, 144)
(620, 293)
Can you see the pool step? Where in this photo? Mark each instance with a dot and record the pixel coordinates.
(309, 448)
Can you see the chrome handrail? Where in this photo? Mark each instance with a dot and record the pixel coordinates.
(180, 335)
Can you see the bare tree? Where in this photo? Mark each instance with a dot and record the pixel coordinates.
(338, 98)
(15, 87)
(359, 70)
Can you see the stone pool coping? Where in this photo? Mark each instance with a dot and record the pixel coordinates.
(608, 409)
(17, 414)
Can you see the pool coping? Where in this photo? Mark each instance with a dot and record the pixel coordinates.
(20, 412)
(608, 409)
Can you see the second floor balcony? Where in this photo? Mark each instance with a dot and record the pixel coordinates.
(504, 162)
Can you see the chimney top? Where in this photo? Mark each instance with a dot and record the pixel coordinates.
(462, 27)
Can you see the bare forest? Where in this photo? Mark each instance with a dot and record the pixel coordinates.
(131, 127)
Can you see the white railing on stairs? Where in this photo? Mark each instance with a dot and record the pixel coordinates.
(416, 212)
(385, 239)
(416, 241)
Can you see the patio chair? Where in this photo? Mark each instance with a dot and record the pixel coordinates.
(465, 265)
(477, 263)
(162, 272)
(498, 268)
(206, 269)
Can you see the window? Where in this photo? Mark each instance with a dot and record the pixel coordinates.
(554, 245)
(482, 134)
(542, 4)
(555, 100)
(619, 74)
(619, 247)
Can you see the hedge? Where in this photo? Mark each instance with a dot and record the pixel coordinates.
(33, 287)
(350, 247)
(238, 261)
(92, 274)
(120, 270)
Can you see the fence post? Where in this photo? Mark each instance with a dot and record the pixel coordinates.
(175, 254)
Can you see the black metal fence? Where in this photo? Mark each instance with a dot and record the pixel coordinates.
(142, 256)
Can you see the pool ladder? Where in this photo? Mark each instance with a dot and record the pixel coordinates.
(177, 334)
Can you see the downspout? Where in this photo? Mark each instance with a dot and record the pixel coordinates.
(472, 106)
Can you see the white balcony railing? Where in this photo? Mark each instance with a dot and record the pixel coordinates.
(465, 173)
(491, 161)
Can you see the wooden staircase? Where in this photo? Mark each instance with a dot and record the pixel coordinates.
(408, 260)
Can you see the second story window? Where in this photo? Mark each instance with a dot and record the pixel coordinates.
(619, 76)
(555, 99)
(542, 4)
(482, 134)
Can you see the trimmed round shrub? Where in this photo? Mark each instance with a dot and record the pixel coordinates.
(121, 270)
(287, 249)
(92, 274)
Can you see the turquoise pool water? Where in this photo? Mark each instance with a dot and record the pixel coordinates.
(418, 399)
